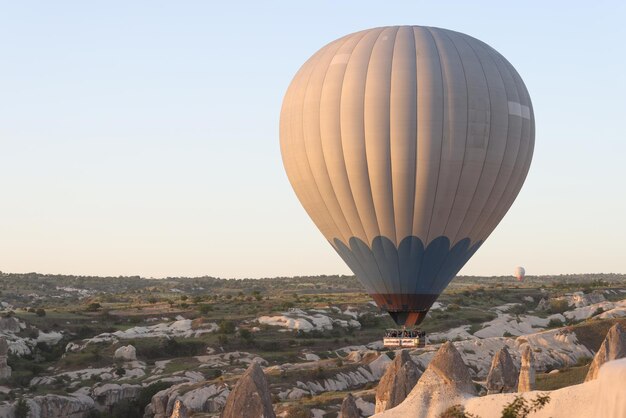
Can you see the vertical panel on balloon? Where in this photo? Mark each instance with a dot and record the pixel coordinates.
(483, 225)
(477, 137)
(352, 136)
(293, 152)
(497, 140)
(454, 137)
(313, 146)
(430, 102)
(403, 148)
(330, 140)
(522, 161)
(353, 133)
(378, 154)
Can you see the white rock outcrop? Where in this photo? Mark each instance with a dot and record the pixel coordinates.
(109, 394)
(126, 353)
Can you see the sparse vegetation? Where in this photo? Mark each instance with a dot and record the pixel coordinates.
(558, 306)
(22, 410)
(109, 305)
(521, 408)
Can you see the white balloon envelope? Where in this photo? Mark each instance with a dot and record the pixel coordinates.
(406, 145)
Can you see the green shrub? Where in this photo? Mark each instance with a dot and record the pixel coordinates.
(456, 411)
(93, 307)
(369, 320)
(167, 348)
(227, 327)
(205, 309)
(517, 309)
(558, 306)
(521, 408)
(22, 410)
(554, 323)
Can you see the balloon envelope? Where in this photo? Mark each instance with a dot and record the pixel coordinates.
(519, 273)
(406, 145)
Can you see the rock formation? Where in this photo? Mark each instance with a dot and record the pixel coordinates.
(349, 408)
(10, 324)
(5, 369)
(527, 371)
(196, 398)
(445, 382)
(378, 366)
(399, 379)
(57, 406)
(613, 347)
(109, 394)
(502, 377)
(448, 366)
(250, 397)
(543, 305)
(126, 353)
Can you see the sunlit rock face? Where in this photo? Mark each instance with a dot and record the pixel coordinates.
(527, 371)
(613, 347)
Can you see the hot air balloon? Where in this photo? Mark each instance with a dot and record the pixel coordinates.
(519, 273)
(406, 145)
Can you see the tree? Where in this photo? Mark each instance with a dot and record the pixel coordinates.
(205, 309)
(40, 312)
(227, 327)
(246, 336)
(21, 408)
(93, 307)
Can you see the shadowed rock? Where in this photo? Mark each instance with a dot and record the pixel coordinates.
(349, 408)
(527, 371)
(503, 375)
(399, 379)
(5, 369)
(613, 347)
(10, 324)
(250, 397)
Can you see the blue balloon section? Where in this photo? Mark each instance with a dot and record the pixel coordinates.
(409, 268)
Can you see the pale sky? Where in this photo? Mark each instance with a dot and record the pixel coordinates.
(141, 138)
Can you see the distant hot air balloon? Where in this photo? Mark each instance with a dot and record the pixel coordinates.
(406, 145)
(519, 273)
